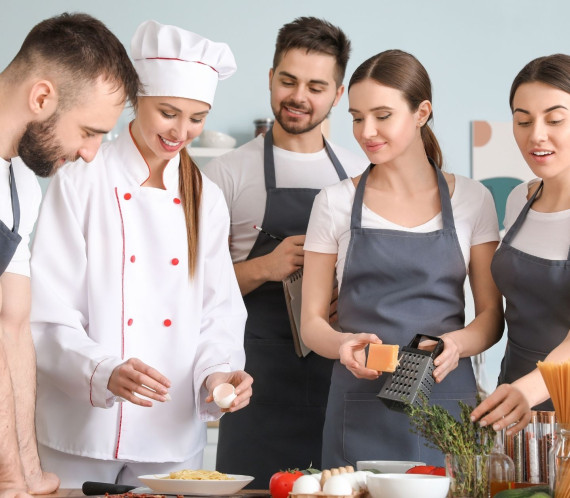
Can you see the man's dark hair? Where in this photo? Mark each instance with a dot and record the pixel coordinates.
(76, 49)
(314, 35)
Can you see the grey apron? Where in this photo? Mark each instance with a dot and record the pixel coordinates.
(537, 294)
(395, 284)
(9, 239)
(282, 426)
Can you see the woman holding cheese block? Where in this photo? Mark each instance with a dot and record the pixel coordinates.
(402, 238)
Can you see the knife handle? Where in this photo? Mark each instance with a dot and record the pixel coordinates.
(91, 488)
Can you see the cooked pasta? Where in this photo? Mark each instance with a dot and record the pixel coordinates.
(199, 475)
(557, 379)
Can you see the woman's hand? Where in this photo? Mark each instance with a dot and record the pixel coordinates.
(242, 382)
(135, 377)
(507, 405)
(448, 359)
(353, 355)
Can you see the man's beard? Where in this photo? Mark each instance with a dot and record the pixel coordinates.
(38, 147)
(291, 126)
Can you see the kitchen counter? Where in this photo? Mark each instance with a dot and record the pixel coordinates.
(77, 493)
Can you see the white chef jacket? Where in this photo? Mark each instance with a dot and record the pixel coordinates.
(110, 282)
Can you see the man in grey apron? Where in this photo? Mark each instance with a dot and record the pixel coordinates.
(400, 283)
(537, 294)
(54, 108)
(282, 427)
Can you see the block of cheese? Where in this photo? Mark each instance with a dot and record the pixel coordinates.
(382, 357)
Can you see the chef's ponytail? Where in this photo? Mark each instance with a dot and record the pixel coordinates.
(190, 185)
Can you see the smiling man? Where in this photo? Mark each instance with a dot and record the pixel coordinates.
(271, 182)
(64, 90)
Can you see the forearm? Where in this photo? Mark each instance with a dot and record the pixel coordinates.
(319, 336)
(251, 274)
(11, 472)
(485, 330)
(532, 385)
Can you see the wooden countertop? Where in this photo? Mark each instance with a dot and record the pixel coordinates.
(77, 493)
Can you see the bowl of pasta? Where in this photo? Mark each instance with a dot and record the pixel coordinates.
(196, 482)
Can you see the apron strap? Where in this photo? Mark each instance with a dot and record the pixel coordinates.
(269, 162)
(15, 201)
(444, 197)
(521, 217)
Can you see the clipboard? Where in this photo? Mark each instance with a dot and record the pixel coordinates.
(292, 286)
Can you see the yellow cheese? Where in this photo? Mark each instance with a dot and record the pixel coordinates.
(382, 357)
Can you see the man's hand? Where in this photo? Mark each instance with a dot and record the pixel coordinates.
(134, 376)
(285, 259)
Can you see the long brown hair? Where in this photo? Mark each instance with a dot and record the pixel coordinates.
(553, 70)
(190, 184)
(402, 71)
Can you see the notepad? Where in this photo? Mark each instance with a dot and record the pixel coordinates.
(292, 286)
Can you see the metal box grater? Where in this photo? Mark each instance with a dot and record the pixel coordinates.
(412, 378)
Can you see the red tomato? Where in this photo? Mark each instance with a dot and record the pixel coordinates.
(281, 483)
(421, 469)
(438, 471)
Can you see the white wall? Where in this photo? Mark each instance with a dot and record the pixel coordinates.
(472, 51)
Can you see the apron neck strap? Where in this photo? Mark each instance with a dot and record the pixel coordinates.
(269, 161)
(444, 197)
(521, 217)
(15, 201)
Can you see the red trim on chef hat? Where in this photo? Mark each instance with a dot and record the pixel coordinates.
(173, 62)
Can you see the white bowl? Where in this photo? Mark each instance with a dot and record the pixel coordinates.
(407, 486)
(386, 466)
(216, 139)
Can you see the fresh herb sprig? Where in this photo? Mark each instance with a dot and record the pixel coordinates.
(444, 432)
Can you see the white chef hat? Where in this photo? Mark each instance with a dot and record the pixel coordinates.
(173, 62)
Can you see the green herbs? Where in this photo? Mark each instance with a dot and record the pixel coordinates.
(465, 444)
(443, 432)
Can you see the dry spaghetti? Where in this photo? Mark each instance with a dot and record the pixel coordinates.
(199, 475)
(557, 379)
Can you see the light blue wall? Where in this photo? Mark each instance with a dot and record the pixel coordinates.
(472, 50)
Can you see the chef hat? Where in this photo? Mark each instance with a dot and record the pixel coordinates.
(173, 62)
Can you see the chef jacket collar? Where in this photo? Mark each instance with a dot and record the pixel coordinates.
(135, 167)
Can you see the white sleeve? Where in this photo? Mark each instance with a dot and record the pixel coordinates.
(486, 228)
(215, 170)
(321, 230)
(30, 198)
(220, 344)
(515, 202)
(66, 355)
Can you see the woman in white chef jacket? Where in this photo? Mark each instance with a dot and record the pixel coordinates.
(137, 315)
(401, 238)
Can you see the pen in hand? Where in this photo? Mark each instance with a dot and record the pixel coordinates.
(259, 229)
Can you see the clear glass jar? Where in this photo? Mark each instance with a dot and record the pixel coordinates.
(501, 467)
(262, 126)
(560, 462)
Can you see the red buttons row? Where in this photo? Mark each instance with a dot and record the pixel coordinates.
(166, 323)
(173, 261)
(128, 197)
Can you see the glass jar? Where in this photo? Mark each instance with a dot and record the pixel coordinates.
(468, 475)
(262, 126)
(560, 462)
(501, 467)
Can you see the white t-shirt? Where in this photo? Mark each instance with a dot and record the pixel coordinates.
(240, 175)
(546, 235)
(30, 196)
(329, 226)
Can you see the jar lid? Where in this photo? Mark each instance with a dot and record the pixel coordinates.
(263, 121)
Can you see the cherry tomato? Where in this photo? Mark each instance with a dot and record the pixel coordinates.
(281, 483)
(438, 471)
(421, 469)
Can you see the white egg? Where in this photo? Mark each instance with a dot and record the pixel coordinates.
(306, 485)
(337, 485)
